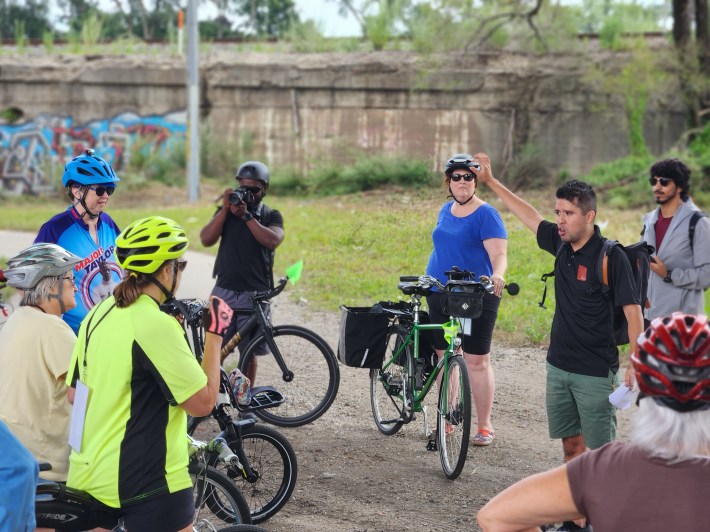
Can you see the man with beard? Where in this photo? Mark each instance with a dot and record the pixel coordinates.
(680, 270)
(582, 359)
(250, 232)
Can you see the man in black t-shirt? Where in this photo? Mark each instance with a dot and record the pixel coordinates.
(583, 360)
(250, 232)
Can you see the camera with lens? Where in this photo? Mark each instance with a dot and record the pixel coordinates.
(241, 195)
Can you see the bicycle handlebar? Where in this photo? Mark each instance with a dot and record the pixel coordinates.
(427, 281)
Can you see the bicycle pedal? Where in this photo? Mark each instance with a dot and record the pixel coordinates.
(431, 445)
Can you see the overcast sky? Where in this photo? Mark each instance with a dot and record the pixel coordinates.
(325, 12)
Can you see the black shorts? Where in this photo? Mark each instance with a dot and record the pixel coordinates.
(168, 512)
(477, 343)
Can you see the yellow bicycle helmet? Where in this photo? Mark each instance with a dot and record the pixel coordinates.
(147, 243)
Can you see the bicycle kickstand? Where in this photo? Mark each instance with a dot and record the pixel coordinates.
(431, 439)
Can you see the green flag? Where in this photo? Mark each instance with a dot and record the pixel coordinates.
(293, 272)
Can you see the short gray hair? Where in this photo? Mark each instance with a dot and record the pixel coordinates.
(670, 435)
(33, 297)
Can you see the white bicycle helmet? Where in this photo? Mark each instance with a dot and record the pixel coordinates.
(36, 262)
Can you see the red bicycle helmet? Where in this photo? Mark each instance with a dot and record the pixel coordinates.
(672, 361)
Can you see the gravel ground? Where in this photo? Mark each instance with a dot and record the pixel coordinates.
(353, 478)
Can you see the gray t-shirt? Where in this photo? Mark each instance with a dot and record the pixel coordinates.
(618, 487)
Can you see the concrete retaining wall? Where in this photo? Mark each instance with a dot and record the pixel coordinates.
(296, 106)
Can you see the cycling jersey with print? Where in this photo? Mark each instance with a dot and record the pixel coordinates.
(68, 230)
(138, 367)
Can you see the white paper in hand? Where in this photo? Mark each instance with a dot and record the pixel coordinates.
(622, 398)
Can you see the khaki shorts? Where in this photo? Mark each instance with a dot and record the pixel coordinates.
(579, 404)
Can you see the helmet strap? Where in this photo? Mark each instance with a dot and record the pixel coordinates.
(169, 295)
(58, 296)
(451, 195)
(82, 201)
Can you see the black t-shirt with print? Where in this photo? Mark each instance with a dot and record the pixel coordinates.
(582, 336)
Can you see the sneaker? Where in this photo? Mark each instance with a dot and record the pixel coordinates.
(569, 526)
(483, 437)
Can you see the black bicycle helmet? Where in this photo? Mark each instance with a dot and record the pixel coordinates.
(462, 161)
(253, 170)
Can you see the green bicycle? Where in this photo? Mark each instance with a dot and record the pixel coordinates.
(398, 388)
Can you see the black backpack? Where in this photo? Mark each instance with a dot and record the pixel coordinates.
(639, 255)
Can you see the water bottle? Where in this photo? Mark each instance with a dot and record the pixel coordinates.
(241, 387)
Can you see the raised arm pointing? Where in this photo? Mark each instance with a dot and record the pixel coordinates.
(521, 208)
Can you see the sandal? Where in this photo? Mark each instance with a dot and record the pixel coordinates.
(483, 437)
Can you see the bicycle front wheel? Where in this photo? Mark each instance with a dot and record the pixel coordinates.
(388, 387)
(273, 461)
(217, 500)
(313, 375)
(454, 417)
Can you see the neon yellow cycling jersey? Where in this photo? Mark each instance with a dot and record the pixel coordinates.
(139, 368)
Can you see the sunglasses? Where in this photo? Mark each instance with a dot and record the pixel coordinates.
(100, 191)
(182, 264)
(71, 280)
(466, 177)
(664, 181)
(253, 190)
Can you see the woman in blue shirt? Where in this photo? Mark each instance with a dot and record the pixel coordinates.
(470, 234)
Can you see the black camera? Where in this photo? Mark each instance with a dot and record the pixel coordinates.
(241, 195)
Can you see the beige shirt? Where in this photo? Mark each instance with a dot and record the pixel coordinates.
(35, 349)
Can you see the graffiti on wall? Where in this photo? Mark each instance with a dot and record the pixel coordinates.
(33, 154)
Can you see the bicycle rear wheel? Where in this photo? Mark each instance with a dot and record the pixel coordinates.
(389, 390)
(272, 458)
(454, 417)
(314, 377)
(217, 500)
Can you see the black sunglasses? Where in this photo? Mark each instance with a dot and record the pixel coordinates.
(182, 264)
(100, 191)
(253, 190)
(664, 181)
(466, 177)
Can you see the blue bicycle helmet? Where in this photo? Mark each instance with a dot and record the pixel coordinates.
(88, 169)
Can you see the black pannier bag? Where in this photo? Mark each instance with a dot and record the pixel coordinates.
(462, 300)
(363, 336)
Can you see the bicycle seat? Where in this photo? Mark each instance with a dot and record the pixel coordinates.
(411, 289)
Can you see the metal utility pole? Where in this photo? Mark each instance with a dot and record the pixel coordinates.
(193, 103)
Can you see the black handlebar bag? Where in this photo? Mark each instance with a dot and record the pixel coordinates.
(363, 337)
(463, 300)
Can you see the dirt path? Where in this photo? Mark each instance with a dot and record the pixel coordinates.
(352, 478)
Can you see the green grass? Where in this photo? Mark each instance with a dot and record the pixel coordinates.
(355, 247)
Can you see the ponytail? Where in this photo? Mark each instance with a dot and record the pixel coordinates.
(130, 288)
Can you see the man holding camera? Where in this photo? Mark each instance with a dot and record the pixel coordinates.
(250, 232)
